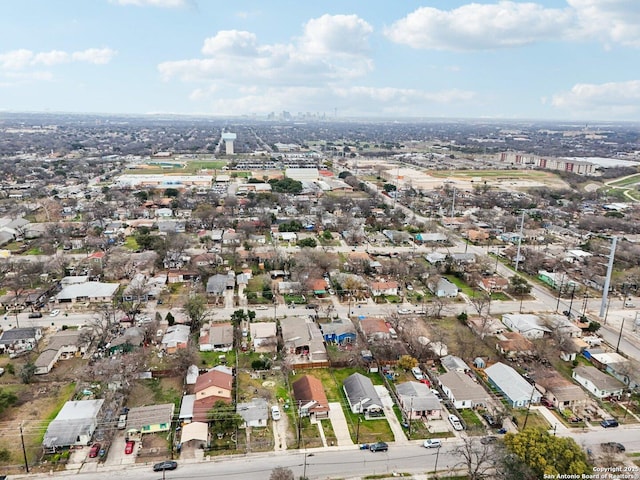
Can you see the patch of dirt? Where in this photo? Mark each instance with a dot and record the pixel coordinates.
(155, 448)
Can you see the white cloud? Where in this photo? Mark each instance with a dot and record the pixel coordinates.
(15, 59)
(332, 48)
(97, 56)
(605, 100)
(479, 26)
(154, 3)
(610, 21)
(23, 59)
(336, 34)
(54, 57)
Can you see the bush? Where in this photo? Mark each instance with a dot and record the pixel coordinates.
(261, 364)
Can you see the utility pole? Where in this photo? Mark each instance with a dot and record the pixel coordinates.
(607, 281)
(24, 451)
(519, 241)
(620, 336)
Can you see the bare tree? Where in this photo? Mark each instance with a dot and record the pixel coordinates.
(477, 459)
(480, 302)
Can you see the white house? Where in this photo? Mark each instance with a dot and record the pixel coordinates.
(516, 390)
(527, 325)
(598, 383)
(462, 391)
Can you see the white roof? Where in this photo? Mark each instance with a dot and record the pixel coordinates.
(194, 431)
(89, 290)
(511, 383)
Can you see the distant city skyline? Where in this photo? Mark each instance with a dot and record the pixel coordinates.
(573, 60)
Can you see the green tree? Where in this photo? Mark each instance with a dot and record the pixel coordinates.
(238, 316)
(27, 373)
(5, 455)
(389, 187)
(224, 417)
(547, 454)
(308, 242)
(171, 192)
(7, 399)
(196, 309)
(593, 326)
(327, 235)
(170, 319)
(519, 286)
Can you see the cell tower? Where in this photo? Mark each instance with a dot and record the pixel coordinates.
(228, 142)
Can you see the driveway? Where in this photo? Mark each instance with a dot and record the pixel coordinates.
(339, 424)
(116, 455)
(280, 429)
(387, 403)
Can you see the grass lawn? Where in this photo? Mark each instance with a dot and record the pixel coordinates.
(131, 244)
(213, 359)
(534, 420)
(458, 282)
(626, 182)
(472, 421)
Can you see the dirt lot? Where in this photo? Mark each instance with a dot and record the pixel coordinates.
(37, 404)
(160, 390)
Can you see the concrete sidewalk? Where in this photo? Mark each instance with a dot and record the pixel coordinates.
(556, 425)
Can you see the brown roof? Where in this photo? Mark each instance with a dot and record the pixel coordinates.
(308, 388)
(213, 378)
(371, 326)
(202, 406)
(515, 342)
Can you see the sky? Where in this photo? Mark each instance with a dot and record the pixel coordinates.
(544, 59)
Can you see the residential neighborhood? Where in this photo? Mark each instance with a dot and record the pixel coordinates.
(330, 295)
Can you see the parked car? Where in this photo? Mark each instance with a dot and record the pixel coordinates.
(613, 447)
(35, 315)
(95, 449)
(455, 422)
(488, 439)
(122, 421)
(432, 443)
(260, 307)
(275, 412)
(128, 448)
(404, 311)
(491, 421)
(609, 423)
(54, 313)
(166, 465)
(379, 447)
(417, 373)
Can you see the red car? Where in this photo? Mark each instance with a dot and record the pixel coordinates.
(95, 449)
(128, 448)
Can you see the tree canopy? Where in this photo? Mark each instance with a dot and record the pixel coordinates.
(547, 454)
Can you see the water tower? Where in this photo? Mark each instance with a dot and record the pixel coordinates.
(228, 141)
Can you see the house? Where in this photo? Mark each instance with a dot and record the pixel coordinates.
(74, 424)
(289, 237)
(62, 345)
(19, 339)
(453, 363)
(462, 391)
(214, 383)
(217, 336)
(418, 401)
(565, 327)
(494, 283)
(463, 258)
(396, 236)
(435, 257)
(526, 324)
(263, 336)
(94, 292)
(217, 284)
(195, 435)
(443, 288)
(484, 326)
(384, 288)
(303, 340)
(430, 238)
(312, 400)
(290, 287)
(151, 418)
(513, 344)
(477, 236)
(362, 396)
(127, 340)
(598, 383)
(254, 413)
(175, 337)
(375, 328)
(560, 392)
(339, 332)
(516, 390)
